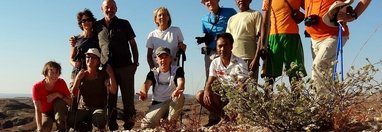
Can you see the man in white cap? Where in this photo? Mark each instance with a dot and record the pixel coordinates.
(93, 86)
(168, 85)
(321, 21)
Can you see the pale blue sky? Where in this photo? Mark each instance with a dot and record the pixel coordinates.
(34, 32)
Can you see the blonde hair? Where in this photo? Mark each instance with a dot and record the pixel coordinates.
(165, 10)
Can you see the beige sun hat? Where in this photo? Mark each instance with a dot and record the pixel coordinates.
(94, 51)
(338, 6)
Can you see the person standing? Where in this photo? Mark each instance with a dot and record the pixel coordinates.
(284, 40)
(51, 99)
(213, 23)
(324, 34)
(166, 35)
(119, 37)
(245, 28)
(82, 42)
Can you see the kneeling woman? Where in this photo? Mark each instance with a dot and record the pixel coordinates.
(51, 97)
(93, 86)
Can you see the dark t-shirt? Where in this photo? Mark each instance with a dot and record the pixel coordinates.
(94, 92)
(119, 33)
(82, 46)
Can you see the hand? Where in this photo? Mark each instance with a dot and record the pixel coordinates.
(344, 17)
(207, 97)
(182, 46)
(77, 64)
(81, 74)
(72, 41)
(176, 93)
(142, 95)
(254, 65)
(53, 96)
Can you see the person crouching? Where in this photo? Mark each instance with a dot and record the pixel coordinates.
(168, 86)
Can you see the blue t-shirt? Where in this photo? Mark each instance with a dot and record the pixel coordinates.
(213, 25)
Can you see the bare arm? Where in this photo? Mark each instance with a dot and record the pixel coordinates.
(112, 81)
(51, 97)
(77, 82)
(179, 90)
(38, 114)
(361, 6)
(149, 58)
(359, 9)
(134, 50)
(144, 90)
(261, 42)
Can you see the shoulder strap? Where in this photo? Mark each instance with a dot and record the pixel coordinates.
(290, 7)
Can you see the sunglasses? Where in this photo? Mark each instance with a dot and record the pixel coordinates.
(86, 20)
(93, 57)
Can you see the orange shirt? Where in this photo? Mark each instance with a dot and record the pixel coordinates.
(321, 30)
(281, 18)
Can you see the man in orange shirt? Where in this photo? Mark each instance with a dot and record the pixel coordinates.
(284, 41)
(324, 36)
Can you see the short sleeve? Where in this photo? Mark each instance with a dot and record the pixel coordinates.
(179, 74)
(180, 35)
(149, 42)
(213, 67)
(35, 92)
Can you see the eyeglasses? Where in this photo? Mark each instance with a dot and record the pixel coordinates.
(93, 57)
(86, 20)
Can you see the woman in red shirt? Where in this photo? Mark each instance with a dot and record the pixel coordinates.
(51, 98)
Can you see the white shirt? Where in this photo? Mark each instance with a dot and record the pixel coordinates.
(236, 66)
(168, 38)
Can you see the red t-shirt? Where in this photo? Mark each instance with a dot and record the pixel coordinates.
(39, 93)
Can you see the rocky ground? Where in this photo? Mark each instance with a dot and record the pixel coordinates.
(17, 114)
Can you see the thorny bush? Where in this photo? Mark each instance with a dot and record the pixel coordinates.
(306, 107)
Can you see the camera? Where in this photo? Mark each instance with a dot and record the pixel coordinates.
(311, 20)
(207, 38)
(206, 50)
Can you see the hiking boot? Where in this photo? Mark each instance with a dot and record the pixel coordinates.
(211, 123)
(128, 126)
(113, 126)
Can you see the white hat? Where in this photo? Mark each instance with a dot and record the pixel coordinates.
(94, 51)
(338, 6)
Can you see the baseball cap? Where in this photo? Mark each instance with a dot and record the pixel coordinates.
(162, 50)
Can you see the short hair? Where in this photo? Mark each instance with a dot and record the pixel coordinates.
(202, 1)
(51, 64)
(225, 36)
(165, 10)
(85, 12)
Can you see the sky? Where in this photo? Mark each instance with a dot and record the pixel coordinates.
(37, 31)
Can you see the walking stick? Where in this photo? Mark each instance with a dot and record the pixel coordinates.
(339, 50)
(182, 54)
